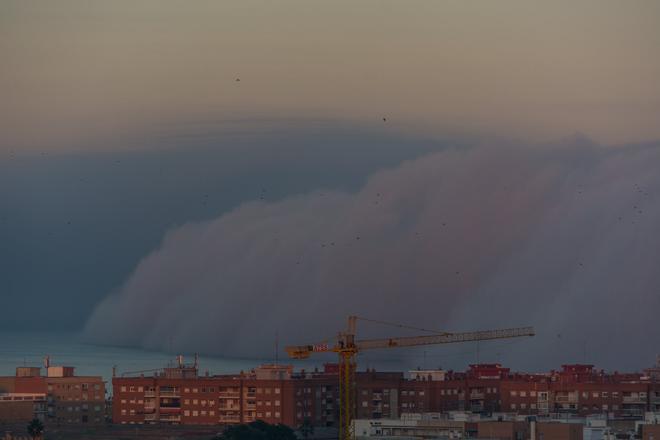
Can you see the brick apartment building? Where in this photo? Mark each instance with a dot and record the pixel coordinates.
(277, 394)
(58, 397)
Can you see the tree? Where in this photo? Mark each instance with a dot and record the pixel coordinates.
(306, 428)
(258, 430)
(35, 428)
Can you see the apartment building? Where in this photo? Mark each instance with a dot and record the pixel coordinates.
(59, 396)
(277, 394)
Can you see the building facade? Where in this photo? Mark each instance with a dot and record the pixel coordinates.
(277, 394)
(59, 396)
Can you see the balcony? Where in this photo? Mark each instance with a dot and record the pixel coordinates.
(170, 394)
(566, 399)
(150, 417)
(477, 396)
(229, 419)
(170, 418)
(634, 399)
(229, 395)
(149, 394)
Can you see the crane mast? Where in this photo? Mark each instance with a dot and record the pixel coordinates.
(347, 347)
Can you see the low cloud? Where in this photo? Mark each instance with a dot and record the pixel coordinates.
(562, 237)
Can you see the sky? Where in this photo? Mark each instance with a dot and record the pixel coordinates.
(496, 159)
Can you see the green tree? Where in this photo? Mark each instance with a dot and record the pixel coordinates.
(258, 430)
(35, 428)
(306, 428)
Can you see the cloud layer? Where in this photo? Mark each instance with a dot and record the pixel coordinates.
(561, 237)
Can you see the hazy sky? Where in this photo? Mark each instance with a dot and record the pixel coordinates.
(75, 70)
(130, 129)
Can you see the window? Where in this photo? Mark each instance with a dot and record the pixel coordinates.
(267, 390)
(123, 389)
(604, 394)
(211, 413)
(267, 414)
(140, 389)
(513, 406)
(364, 404)
(277, 414)
(123, 411)
(203, 413)
(131, 389)
(442, 392)
(523, 405)
(514, 393)
(277, 391)
(186, 413)
(195, 413)
(277, 403)
(194, 401)
(186, 390)
(533, 406)
(186, 401)
(421, 393)
(194, 390)
(595, 394)
(532, 393)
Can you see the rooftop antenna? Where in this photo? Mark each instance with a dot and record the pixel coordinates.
(196, 360)
(47, 361)
(277, 346)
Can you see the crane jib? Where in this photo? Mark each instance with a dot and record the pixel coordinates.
(445, 338)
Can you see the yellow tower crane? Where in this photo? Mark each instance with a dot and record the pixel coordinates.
(347, 346)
